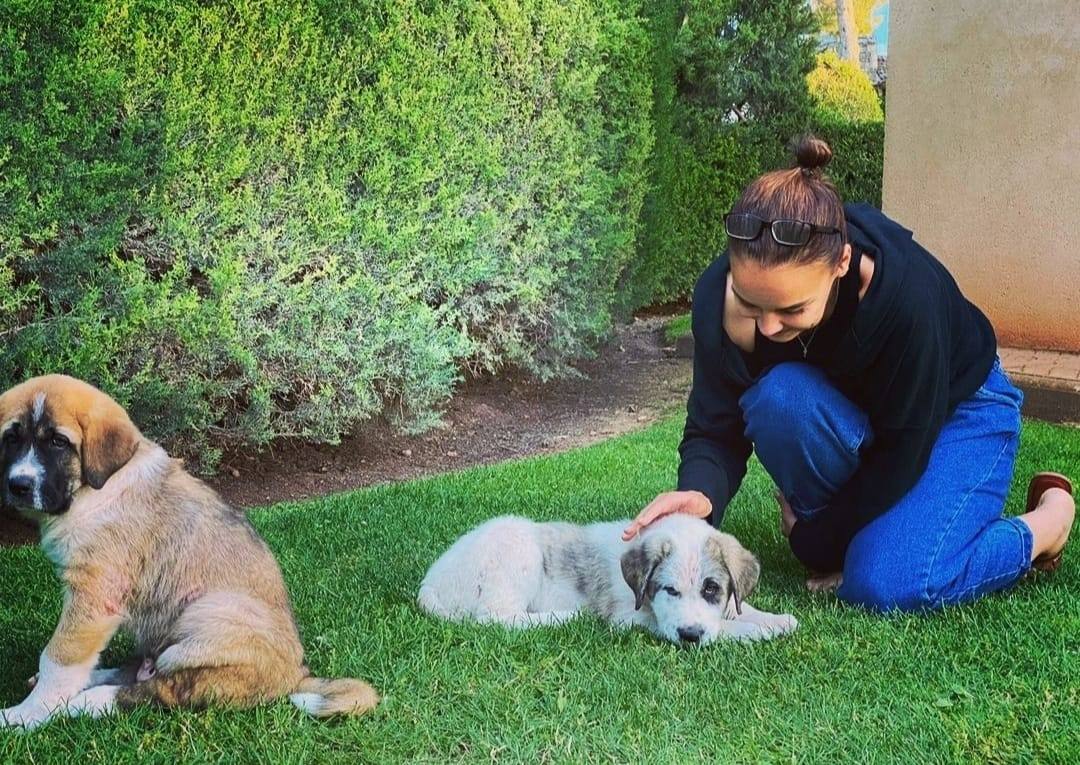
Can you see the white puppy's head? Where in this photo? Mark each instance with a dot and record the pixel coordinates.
(690, 575)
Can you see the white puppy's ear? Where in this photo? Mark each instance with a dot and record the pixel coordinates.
(638, 564)
(741, 565)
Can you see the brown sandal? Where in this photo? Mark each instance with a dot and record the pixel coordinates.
(1040, 482)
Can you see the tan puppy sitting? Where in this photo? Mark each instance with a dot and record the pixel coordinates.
(140, 544)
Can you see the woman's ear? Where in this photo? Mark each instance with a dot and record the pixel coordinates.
(845, 261)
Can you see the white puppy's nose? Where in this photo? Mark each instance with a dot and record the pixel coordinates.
(691, 634)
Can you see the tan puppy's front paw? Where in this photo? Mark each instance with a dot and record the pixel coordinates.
(24, 716)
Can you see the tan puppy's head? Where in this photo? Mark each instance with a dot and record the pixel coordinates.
(59, 434)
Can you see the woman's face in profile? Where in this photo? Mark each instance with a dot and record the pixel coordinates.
(784, 300)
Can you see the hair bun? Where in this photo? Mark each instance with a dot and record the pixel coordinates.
(812, 153)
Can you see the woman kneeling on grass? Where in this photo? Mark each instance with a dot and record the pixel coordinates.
(844, 354)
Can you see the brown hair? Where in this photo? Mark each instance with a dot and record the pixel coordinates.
(802, 192)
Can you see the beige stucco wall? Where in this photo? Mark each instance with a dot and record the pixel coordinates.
(982, 154)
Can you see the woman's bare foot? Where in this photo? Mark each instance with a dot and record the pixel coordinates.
(1050, 523)
(825, 582)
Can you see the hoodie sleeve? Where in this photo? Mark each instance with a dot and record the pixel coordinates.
(911, 373)
(714, 450)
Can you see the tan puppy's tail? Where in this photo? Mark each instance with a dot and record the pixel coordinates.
(324, 698)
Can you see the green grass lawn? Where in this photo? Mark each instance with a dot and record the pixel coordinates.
(676, 328)
(998, 681)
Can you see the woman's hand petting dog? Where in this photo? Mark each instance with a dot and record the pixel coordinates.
(670, 502)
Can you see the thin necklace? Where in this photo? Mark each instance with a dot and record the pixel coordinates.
(806, 345)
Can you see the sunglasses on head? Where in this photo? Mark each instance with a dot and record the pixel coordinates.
(788, 232)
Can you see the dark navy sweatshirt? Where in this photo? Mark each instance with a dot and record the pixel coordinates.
(907, 354)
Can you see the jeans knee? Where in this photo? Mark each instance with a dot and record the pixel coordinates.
(795, 407)
(885, 589)
(778, 405)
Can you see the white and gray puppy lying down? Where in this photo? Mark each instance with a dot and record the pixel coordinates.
(680, 578)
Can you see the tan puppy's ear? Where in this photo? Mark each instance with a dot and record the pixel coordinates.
(109, 440)
(8, 405)
(741, 565)
(638, 564)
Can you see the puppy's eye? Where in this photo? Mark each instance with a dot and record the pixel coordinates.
(710, 589)
(60, 441)
(10, 435)
(672, 592)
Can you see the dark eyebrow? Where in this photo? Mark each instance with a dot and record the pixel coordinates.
(746, 302)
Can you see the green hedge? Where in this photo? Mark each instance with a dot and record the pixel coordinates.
(858, 157)
(251, 219)
(255, 219)
(842, 91)
(741, 95)
(709, 169)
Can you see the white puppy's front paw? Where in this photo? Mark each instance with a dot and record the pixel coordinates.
(743, 631)
(781, 624)
(763, 627)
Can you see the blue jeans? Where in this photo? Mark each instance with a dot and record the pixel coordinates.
(945, 541)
